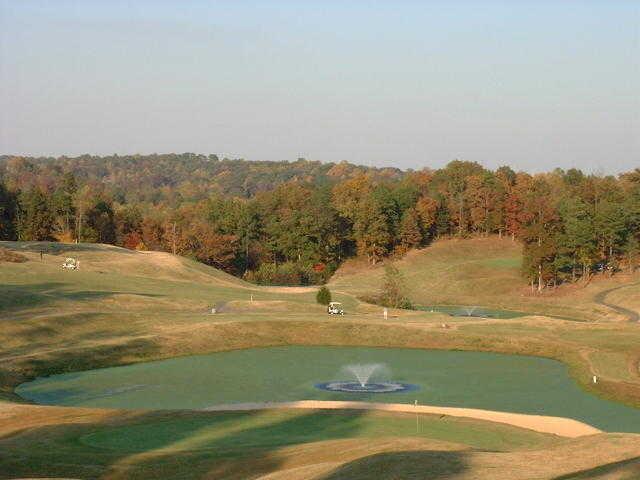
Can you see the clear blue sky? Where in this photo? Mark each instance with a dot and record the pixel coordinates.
(534, 84)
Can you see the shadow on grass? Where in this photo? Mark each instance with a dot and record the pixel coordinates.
(38, 331)
(402, 465)
(14, 296)
(230, 446)
(624, 470)
(76, 360)
(166, 445)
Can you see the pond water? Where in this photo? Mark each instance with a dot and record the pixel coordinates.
(447, 378)
(472, 312)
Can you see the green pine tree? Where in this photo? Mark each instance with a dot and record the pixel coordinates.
(7, 214)
(36, 216)
(323, 297)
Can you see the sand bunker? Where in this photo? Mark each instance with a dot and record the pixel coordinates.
(565, 427)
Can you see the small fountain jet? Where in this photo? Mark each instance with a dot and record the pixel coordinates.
(364, 384)
(470, 311)
(363, 372)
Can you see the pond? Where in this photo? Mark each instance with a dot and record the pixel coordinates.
(472, 312)
(446, 378)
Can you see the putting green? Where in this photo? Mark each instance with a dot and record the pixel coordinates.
(457, 379)
(228, 434)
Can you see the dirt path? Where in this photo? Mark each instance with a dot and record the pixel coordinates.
(565, 427)
(631, 315)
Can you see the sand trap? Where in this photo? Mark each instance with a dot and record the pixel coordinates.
(565, 427)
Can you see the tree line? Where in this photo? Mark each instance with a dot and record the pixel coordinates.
(294, 223)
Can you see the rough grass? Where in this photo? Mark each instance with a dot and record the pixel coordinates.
(615, 365)
(628, 297)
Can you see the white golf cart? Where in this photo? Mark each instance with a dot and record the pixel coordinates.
(335, 308)
(71, 264)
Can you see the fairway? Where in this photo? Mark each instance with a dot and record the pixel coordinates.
(489, 381)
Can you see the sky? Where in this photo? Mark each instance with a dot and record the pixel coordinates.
(411, 84)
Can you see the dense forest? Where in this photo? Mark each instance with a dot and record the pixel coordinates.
(295, 222)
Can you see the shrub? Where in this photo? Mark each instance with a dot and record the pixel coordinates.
(323, 297)
(393, 287)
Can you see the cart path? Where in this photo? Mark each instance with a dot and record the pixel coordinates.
(565, 427)
(631, 315)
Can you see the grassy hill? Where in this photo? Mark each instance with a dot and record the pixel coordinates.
(120, 296)
(486, 272)
(124, 306)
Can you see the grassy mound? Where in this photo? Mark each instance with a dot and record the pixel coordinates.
(117, 306)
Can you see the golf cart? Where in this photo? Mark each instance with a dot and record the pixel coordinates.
(71, 264)
(335, 308)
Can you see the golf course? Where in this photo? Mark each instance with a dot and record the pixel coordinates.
(319, 240)
(119, 370)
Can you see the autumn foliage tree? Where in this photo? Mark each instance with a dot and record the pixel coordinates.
(540, 221)
(296, 222)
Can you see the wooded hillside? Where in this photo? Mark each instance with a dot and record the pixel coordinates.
(295, 222)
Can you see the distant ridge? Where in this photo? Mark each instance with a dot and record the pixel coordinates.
(237, 177)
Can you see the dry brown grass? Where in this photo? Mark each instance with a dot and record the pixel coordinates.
(7, 255)
(628, 297)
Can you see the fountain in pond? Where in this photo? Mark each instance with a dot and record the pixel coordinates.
(363, 372)
(470, 312)
(364, 381)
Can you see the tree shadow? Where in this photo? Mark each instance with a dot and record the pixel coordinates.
(250, 449)
(628, 469)
(42, 329)
(400, 465)
(220, 445)
(171, 445)
(79, 359)
(17, 296)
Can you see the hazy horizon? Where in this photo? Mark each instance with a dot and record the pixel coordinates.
(535, 85)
